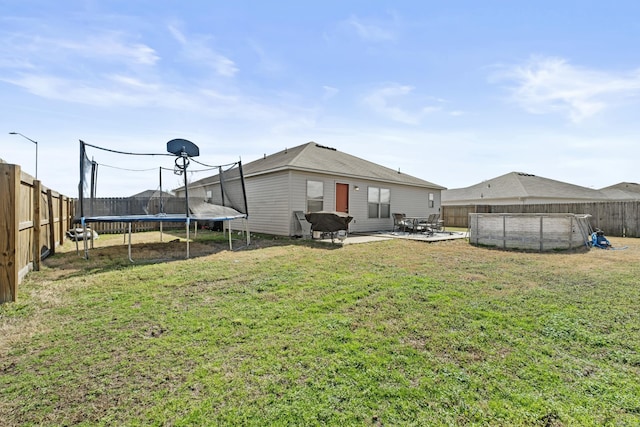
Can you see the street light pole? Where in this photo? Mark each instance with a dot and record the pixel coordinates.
(35, 142)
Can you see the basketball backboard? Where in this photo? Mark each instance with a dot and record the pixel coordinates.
(179, 146)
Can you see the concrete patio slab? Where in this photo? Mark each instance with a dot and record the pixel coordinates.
(387, 235)
(425, 237)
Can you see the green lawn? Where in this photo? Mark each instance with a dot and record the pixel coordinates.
(302, 333)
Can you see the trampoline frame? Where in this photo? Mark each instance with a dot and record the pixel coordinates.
(187, 218)
(129, 219)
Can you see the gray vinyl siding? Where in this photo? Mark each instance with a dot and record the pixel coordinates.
(269, 203)
(233, 193)
(413, 201)
(299, 194)
(273, 198)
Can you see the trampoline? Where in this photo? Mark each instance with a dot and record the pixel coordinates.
(219, 197)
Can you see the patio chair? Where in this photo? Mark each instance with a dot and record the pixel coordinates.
(434, 223)
(304, 224)
(399, 221)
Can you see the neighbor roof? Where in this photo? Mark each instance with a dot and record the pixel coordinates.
(150, 193)
(312, 157)
(521, 185)
(623, 191)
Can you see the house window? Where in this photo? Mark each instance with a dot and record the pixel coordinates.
(379, 202)
(431, 200)
(315, 196)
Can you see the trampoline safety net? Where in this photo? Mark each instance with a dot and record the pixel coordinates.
(210, 193)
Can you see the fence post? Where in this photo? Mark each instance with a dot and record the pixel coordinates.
(71, 213)
(541, 233)
(52, 225)
(9, 195)
(37, 223)
(61, 221)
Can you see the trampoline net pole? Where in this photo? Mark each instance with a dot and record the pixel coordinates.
(187, 225)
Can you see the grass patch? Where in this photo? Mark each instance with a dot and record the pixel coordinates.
(299, 333)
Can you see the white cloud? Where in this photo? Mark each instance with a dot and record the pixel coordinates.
(266, 63)
(138, 52)
(196, 49)
(122, 91)
(552, 85)
(385, 101)
(106, 47)
(329, 92)
(61, 68)
(369, 31)
(102, 70)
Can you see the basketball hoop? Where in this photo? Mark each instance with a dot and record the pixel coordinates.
(183, 147)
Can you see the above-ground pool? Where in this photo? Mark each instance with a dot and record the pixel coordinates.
(530, 231)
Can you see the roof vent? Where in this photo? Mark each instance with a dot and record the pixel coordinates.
(325, 147)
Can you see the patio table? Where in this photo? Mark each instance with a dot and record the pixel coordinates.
(417, 222)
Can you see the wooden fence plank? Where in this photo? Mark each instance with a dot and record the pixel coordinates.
(52, 225)
(9, 226)
(27, 226)
(37, 224)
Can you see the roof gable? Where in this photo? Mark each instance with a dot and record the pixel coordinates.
(622, 191)
(150, 193)
(631, 187)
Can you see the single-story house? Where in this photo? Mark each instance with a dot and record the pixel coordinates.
(521, 188)
(312, 177)
(622, 191)
(149, 194)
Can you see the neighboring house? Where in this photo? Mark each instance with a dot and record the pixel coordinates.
(623, 191)
(153, 202)
(312, 177)
(520, 188)
(148, 194)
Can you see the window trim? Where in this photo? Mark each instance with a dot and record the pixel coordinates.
(316, 200)
(379, 205)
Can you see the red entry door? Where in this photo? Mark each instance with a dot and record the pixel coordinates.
(342, 198)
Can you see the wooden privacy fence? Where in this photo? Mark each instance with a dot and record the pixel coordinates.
(619, 219)
(33, 221)
(121, 206)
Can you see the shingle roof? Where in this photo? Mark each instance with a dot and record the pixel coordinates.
(623, 191)
(522, 185)
(312, 157)
(150, 193)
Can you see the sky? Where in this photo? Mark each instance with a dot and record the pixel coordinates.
(454, 93)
